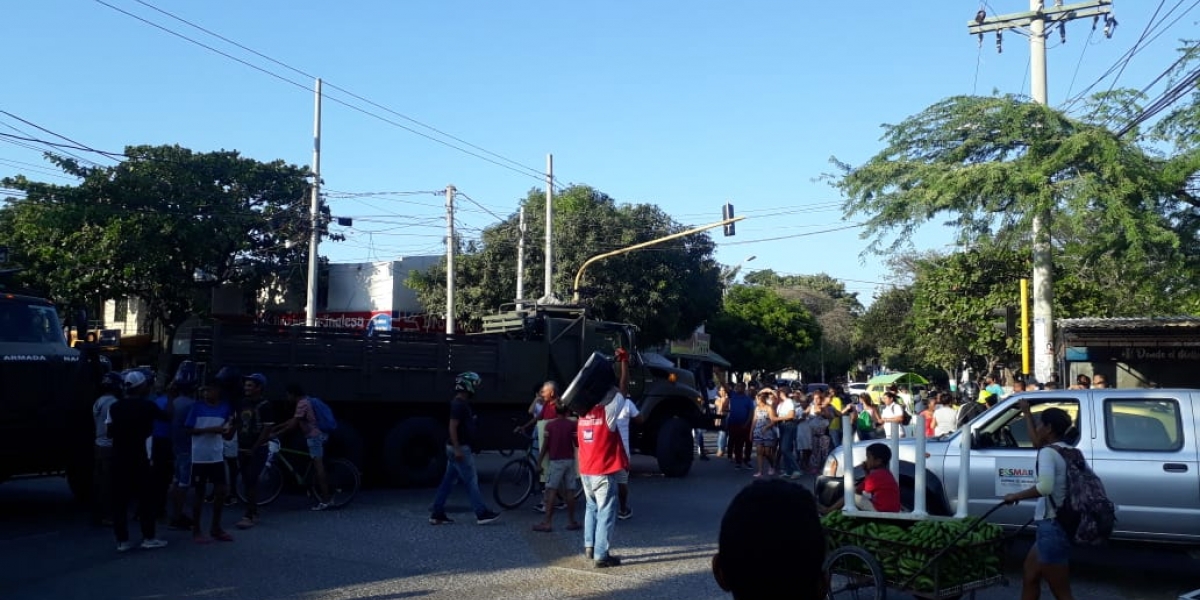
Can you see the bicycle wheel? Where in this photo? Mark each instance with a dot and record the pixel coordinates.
(343, 479)
(854, 573)
(514, 483)
(269, 485)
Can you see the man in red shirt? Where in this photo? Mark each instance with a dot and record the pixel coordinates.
(879, 491)
(601, 457)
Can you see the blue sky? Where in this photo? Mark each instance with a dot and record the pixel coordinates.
(683, 104)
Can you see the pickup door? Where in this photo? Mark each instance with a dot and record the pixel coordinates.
(1003, 457)
(1147, 459)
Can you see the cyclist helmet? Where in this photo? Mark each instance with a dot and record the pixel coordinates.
(466, 382)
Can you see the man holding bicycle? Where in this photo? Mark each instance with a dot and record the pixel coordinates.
(306, 419)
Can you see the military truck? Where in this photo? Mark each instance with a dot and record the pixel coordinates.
(47, 393)
(389, 390)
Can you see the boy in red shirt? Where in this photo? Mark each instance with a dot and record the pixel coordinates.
(878, 491)
(559, 449)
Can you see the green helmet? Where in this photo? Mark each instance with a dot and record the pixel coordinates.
(467, 382)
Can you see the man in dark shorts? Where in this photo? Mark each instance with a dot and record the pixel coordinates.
(210, 422)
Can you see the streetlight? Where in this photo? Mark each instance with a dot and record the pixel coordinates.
(732, 274)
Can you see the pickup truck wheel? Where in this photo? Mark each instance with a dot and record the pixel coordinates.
(414, 452)
(674, 447)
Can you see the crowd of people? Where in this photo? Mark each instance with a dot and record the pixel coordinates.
(154, 447)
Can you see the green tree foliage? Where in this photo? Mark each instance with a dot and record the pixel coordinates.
(834, 309)
(759, 329)
(667, 290)
(886, 329)
(164, 226)
(989, 164)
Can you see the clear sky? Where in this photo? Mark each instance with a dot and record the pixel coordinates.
(683, 104)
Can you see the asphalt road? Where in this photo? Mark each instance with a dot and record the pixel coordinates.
(382, 548)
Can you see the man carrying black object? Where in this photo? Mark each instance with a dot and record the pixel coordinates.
(460, 462)
(752, 529)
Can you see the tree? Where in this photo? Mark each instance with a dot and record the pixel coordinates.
(165, 225)
(835, 311)
(665, 290)
(989, 164)
(885, 330)
(759, 329)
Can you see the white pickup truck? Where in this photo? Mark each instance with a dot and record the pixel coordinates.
(1141, 442)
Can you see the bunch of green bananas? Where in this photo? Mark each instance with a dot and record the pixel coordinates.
(903, 548)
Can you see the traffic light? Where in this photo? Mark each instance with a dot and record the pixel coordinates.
(726, 214)
(1011, 314)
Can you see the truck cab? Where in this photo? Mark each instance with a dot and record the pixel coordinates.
(1142, 443)
(45, 418)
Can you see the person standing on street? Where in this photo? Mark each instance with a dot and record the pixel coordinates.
(601, 457)
(130, 423)
(209, 422)
(629, 412)
(110, 386)
(741, 409)
(255, 421)
(460, 461)
(305, 418)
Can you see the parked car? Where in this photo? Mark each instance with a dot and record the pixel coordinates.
(857, 388)
(1141, 442)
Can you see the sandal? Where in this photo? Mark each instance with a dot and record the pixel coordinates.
(574, 526)
(222, 536)
(202, 540)
(246, 523)
(542, 527)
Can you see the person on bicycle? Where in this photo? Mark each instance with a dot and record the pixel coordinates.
(306, 419)
(752, 529)
(255, 420)
(460, 461)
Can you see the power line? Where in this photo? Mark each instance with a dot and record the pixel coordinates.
(795, 235)
(523, 170)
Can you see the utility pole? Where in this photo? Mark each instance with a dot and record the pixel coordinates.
(548, 288)
(521, 259)
(450, 259)
(1043, 262)
(314, 239)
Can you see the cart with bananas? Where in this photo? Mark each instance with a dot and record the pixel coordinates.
(925, 556)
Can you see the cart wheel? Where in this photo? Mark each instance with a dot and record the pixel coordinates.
(854, 574)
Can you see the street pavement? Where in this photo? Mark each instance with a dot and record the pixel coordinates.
(381, 547)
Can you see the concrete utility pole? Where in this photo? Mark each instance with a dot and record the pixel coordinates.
(548, 288)
(450, 259)
(1043, 263)
(521, 259)
(314, 239)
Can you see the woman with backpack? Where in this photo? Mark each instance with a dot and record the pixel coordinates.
(1047, 559)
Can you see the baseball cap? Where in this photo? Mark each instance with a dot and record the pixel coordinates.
(258, 378)
(134, 379)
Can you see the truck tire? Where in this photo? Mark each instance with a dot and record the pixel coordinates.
(674, 447)
(345, 442)
(414, 453)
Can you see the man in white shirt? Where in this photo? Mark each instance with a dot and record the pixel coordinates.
(628, 412)
(892, 415)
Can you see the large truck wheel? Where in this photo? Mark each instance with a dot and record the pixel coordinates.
(414, 452)
(345, 442)
(674, 451)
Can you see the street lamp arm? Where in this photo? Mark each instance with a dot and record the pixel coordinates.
(587, 263)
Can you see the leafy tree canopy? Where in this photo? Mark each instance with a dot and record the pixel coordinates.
(161, 226)
(760, 329)
(666, 290)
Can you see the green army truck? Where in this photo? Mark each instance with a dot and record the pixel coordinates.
(389, 390)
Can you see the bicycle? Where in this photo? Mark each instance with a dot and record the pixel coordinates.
(518, 478)
(341, 476)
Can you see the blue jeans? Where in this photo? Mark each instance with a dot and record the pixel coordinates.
(699, 435)
(456, 470)
(787, 448)
(722, 440)
(600, 519)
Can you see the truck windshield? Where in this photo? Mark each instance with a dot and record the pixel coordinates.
(23, 322)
